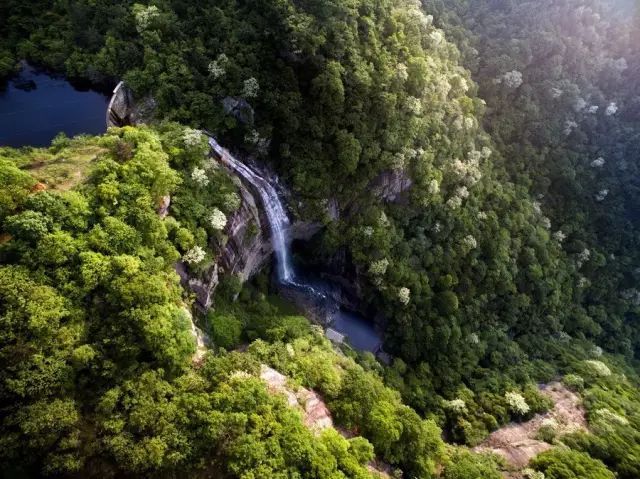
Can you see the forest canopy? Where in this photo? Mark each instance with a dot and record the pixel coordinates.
(473, 167)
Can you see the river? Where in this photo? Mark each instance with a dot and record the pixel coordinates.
(35, 107)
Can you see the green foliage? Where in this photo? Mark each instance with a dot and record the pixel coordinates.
(464, 465)
(568, 464)
(225, 329)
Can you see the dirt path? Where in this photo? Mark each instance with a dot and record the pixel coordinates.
(517, 442)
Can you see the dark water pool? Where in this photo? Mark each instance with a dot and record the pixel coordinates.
(35, 107)
(358, 330)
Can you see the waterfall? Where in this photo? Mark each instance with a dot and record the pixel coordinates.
(278, 220)
(355, 328)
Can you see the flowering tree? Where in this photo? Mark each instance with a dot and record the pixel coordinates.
(194, 256)
(199, 175)
(217, 219)
(251, 87)
(144, 16)
(404, 295)
(217, 68)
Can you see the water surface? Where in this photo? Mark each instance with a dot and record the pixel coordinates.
(35, 107)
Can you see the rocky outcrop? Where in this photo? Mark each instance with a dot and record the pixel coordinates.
(238, 108)
(123, 110)
(390, 184)
(202, 288)
(249, 246)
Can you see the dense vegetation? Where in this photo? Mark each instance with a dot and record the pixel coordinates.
(511, 259)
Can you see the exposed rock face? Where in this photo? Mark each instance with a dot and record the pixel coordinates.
(249, 246)
(316, 415)
(203, 289)
(389, 185)
(163, 207)
(123, 110)
(238, 108)
(518, 442)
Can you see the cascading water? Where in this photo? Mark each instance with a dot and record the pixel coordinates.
(278, 220)
(360, 333)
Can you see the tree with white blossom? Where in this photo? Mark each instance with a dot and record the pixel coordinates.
(250, 88)
(217, 68)
(516, 403)
(194, 256)
(404, 295)
(199, 176)
(217, 219)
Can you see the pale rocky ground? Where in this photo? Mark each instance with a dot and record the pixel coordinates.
(517, 442)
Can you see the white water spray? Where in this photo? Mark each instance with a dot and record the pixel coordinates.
(276, 215)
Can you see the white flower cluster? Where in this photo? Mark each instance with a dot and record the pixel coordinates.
(593, 109)
(559, 236)
(251, 87)
(569, 126)
(457, 406)
(546, 222)
(529, 473)
(379, 267)
(601, 195)
(474, 338)
(367, 231)
(437, 227)
(434, 187)
(556, 93)
(583, 256)
(217, 219)
(620, 64)
(437, 37)
(597, 351)
(612, 109)
(482, 215)
(469, 242)
(512, 79)
(609, 417)
(454, 202)
(199, 175)
(516, 403)
(469, 171)
(583, 282)
(598, 162)
(194, 256)
(144, 17)
(598, 367)
(217, 67)
(537, 207)
(580, 104)
(404, 295)
(191, 137)
(413, 105)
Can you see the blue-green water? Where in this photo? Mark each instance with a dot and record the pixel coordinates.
(35, 107)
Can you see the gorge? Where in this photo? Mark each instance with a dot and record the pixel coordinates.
(359, 331)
